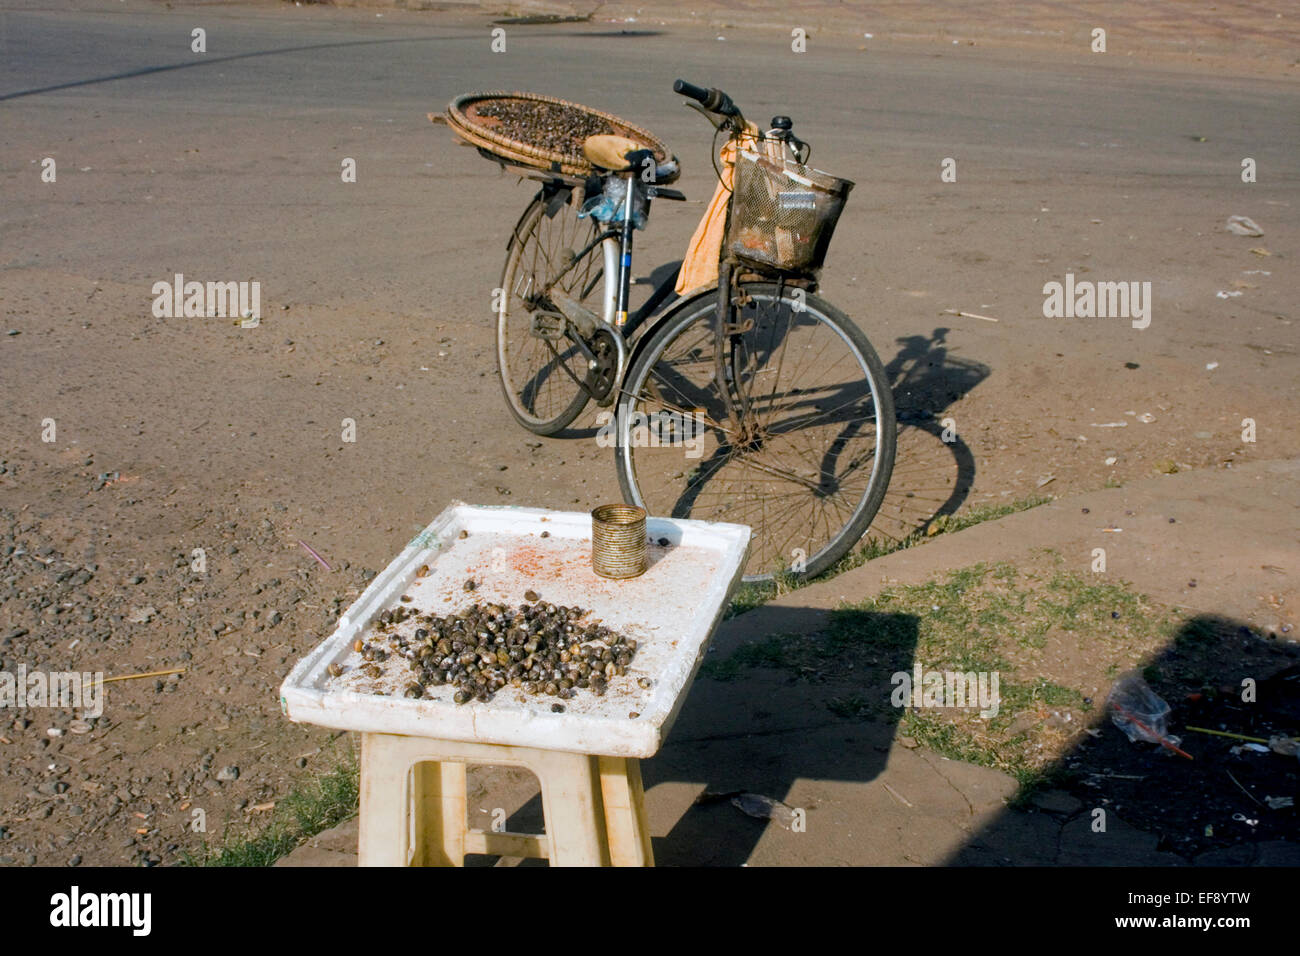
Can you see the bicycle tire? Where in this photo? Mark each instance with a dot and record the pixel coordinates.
(698, 314)
(512, 320)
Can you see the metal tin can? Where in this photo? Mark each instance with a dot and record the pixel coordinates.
(618, 542)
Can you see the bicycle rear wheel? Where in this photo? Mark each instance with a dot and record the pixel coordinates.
(543, 369)
(806, 466)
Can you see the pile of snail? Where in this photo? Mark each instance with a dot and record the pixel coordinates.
(537, 648)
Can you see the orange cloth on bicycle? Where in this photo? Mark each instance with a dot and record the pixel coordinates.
(700, 265)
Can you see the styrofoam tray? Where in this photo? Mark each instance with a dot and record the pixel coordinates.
(671, 610)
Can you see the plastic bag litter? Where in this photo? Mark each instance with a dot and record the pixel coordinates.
(1286, 746)
(764, 808)
(1243, 226)
(1138, 710)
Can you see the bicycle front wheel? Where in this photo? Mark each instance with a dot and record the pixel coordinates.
(801, 448)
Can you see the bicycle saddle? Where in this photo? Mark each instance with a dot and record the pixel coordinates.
(610, 152)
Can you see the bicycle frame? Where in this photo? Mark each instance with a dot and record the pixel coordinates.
(558, 191)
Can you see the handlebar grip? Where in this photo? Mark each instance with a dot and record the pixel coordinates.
(697, 93)
(713, 100)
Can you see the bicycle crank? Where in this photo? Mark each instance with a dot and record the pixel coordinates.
(604, 365)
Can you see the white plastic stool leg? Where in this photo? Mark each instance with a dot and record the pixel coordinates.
(575, 820)
(594, 806)
(626, 827)
(383, 817)
(438, 809)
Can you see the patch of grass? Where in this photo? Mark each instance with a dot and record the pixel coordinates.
(778, 650)
(978, 514)
(1198, 633)
(1036, 779)
(850, 706)
(325, 802)
(1018, 697)
(749, 596)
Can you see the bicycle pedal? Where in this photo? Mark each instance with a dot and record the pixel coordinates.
(547, 325)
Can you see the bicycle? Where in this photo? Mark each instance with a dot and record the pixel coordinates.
(711, 418)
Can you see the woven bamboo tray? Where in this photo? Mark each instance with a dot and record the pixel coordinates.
(464, 117)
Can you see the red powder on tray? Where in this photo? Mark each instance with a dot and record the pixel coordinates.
(526, 560)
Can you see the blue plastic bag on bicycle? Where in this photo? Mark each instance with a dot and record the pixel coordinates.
(608, 206)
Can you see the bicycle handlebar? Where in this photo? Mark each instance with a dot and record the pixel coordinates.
(713, 100)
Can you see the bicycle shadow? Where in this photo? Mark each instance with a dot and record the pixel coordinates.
(934, 467)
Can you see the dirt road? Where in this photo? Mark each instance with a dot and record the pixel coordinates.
(176, 434)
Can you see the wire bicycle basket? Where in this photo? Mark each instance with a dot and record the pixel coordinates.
(782, 214)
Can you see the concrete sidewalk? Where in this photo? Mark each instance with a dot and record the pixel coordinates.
(875, 798)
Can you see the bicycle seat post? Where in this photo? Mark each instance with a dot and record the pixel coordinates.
(625, 251)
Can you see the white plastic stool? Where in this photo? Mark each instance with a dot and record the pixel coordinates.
(594, 806)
